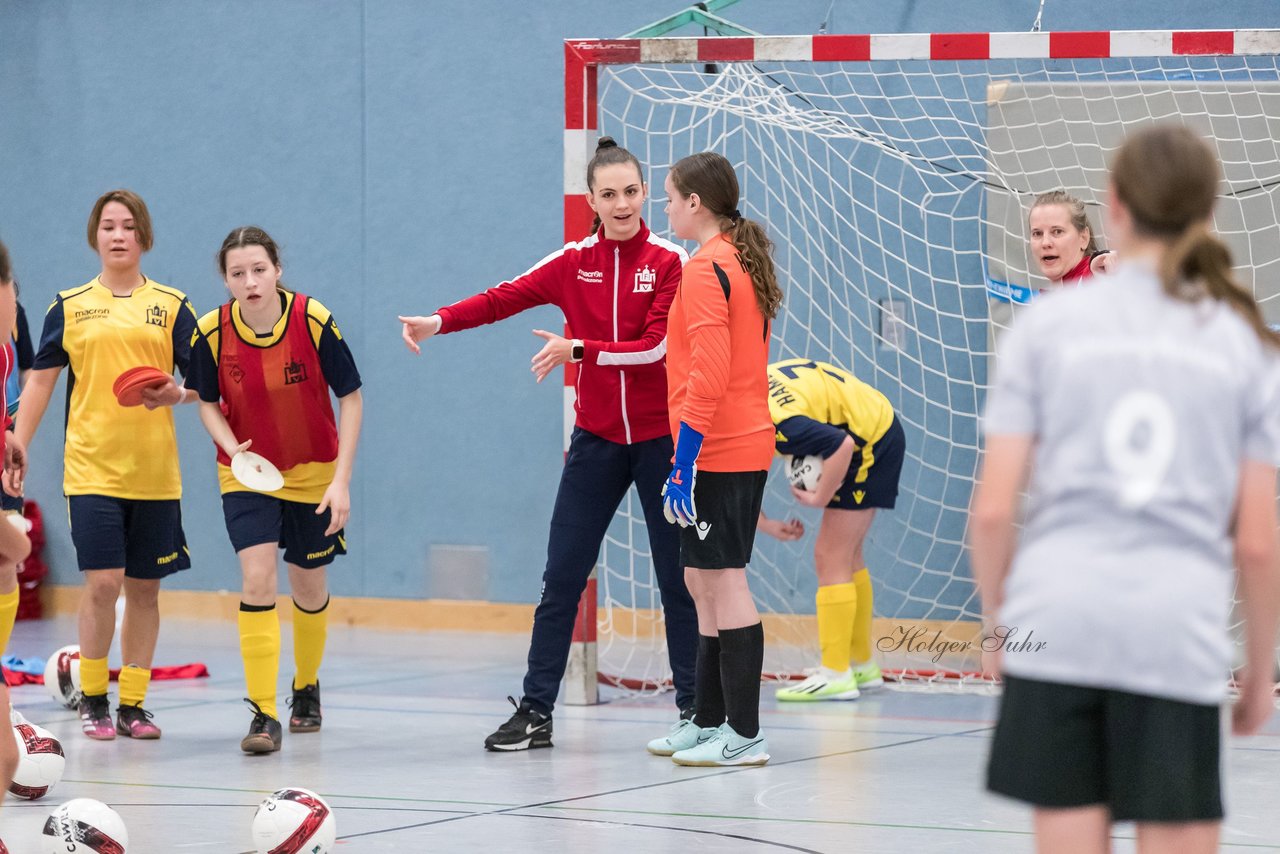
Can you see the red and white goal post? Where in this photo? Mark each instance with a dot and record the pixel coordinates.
(894, 173)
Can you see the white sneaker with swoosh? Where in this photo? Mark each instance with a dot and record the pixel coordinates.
(726, 747)
(684, 734)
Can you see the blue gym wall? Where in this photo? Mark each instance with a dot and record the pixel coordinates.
(405, 154)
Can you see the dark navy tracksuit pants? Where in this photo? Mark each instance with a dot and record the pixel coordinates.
(597, 474)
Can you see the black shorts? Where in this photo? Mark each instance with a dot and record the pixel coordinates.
(728, 505)
(143, 537)
(879, 466)
(253, 519)
(1145, 758)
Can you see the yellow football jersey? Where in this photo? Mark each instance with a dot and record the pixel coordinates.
(828, 395)
(305, 483)
(123, 452)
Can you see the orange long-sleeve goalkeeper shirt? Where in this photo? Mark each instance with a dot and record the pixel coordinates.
(717, 362)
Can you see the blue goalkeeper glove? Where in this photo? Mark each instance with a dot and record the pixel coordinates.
(677, 492)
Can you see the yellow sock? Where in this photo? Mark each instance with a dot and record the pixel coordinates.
(860, 646)
(93, 676)
(134, 681)
(310, 629)
(260, 649)
(836, 605)
(8, 612)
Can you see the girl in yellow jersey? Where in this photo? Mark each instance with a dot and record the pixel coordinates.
(121, 463)
(264, 365)
(821, 410)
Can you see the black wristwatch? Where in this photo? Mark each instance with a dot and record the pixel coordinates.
(578, 351)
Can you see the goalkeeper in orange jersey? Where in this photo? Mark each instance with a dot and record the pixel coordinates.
(820, 410)
(717, 351)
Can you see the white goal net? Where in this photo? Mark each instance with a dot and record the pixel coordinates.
(897, 193)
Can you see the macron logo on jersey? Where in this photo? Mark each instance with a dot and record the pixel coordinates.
(91, 314)
(591, 277)
(645, 280)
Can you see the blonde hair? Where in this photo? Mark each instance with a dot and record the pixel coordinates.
(1075, 211)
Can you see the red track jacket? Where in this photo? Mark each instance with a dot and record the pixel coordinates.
(615, 296)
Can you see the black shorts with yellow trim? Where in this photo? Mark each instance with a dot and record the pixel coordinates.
(879, 489)
(144, 538)
(728, 505)
(253, 519)
(1146, 758)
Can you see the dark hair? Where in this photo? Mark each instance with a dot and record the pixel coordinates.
(6, 268)
(608, 153)
(711, 177)
(1167, 176)
(247, 235)
(136, 206)
(1075, 210)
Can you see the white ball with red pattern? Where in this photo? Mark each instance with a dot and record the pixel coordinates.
(84, 826)
(294, 821)
(40, 762)
(62, 676)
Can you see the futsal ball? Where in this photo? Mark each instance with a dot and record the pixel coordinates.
(40, 762)
(804, 472)
(84, 826)
(294, 821)
(62, 676)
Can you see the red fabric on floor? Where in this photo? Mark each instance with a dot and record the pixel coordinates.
(174, 671)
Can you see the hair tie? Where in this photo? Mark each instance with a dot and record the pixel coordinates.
(736, 215)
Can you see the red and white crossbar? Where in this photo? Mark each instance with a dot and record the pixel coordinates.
(939, 46)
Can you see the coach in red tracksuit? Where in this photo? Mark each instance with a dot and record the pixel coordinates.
(615, 289)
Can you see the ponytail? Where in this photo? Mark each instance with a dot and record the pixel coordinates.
(1197, 264)
(713, 179)
(1167, 176)
(755, 249)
